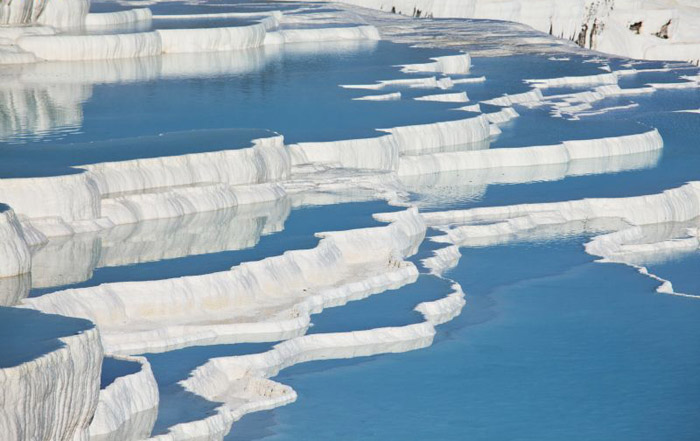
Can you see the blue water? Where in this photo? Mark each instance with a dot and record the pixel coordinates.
(260, 91)
(682, 271)
(176, 404)
(678, 164)
(298, 232)
(549, 346)
(546, 350)
(390, 308)
(113, 368)
(26, 334)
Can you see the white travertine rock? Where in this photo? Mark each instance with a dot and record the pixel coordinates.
(71, 197)
(53, 397)
(212, 39)
(290, 36)
(230, 305)
(639, 227)
(15, 258)
(229, 379)
(56, 13)
(266, 161)
(584, 80)
(664, 29)
(502, 116)
(443, 310)
(443, 259)
(382, 97)
(448, 65)
(456, 97)
(93, 47)
(531, 96)
(413, 83)
(181, 201)
(127, 408)
(118, 18)
(565, 152)
(382, 153)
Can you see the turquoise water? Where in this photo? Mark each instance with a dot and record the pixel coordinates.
(297, 232)
(233, 98)
(26, 334)
(546, 350)
(549, 346)
(682, 270)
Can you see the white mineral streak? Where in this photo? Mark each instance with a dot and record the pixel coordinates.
(127, 408)
(565, 152)
(53, 397)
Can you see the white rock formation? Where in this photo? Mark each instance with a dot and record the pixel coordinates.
(53, 397)
(62, 14)
(448, 65)
(657, 30)
(240, 383)
(456, 97)
(257, 301)
(637, 227)
(127, 408)
(413, 83)
(15, 258)
(108, 19)
(563, 153)
(382, 153)
(393, 96)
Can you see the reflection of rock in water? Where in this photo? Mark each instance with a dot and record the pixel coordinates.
(72, 259)
(41, 98)
(35, 110)
(14, 289)
(117, 419)
(138, 427)
(444, 188)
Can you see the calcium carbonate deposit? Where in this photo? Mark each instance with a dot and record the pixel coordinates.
(373, 219)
